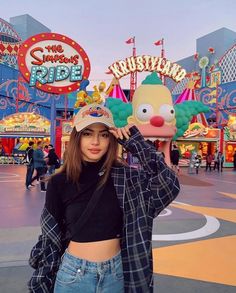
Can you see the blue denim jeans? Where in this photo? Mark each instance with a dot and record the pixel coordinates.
(51, 169)
(79, 275)
(29, 174)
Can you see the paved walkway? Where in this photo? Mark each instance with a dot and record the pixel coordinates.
(194, 239)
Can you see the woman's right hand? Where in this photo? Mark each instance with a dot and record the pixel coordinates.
(121, 133)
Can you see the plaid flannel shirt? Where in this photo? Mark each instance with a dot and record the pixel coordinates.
(143, 193)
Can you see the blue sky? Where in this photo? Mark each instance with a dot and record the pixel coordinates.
(101, 27)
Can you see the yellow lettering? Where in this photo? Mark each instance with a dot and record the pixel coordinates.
(147, 59)
(180, 75)
(114, 68)
(147, 63)
(131, 64)
(123, 67)
(174, 70)
(153, 63)
(139, 63)
(159, 63)
(166, 68)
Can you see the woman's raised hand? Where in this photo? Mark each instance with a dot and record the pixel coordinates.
(121, 133)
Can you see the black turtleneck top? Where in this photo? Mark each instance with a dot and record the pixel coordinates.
(105, 221)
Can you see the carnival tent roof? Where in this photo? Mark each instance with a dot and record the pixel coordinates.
(189, 95)
(117, 92)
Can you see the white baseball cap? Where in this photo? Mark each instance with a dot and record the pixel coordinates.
(93, 113)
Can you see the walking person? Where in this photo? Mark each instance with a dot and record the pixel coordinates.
(234, 160)
(52, 160)
(29, 164)
(39, 165)
(103, 210)
(192, 163)
(209, 159)
(174, 157)
(45, 151)
(2, 150)
(216, 160)
(220, 162)
(197, 163)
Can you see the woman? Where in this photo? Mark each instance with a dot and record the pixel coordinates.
(112, 252)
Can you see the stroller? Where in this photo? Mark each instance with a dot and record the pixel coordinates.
(195, 163)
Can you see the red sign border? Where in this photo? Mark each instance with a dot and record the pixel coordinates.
(58, 37)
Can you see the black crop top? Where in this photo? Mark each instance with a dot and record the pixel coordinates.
(105, 221)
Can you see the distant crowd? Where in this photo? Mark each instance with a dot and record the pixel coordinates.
(39, 162)
(213, 161)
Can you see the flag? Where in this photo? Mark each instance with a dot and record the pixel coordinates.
(159, 42)
(130, 41)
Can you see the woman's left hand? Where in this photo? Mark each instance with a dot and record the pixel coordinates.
(121, 133)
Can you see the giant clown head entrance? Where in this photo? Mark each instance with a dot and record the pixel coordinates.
(152, 107)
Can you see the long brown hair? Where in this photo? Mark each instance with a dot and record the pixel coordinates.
(73, 159)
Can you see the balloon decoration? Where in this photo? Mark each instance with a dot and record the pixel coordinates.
(24, 142)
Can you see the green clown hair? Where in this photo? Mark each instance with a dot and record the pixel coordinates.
(120, 111)
(184, 112)
(153, 79)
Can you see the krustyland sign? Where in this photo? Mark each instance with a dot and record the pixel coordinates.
(147, 63)
(53, 63)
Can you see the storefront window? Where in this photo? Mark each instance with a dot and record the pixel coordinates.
(230, 148)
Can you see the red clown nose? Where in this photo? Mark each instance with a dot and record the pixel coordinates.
(157, 121)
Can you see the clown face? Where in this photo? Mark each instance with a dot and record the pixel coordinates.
(154, 115)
